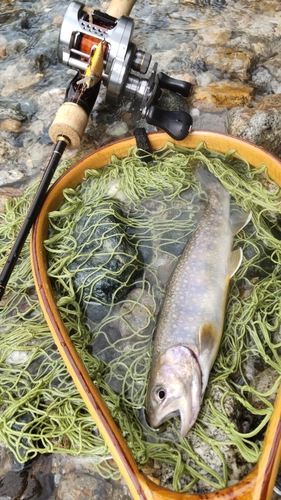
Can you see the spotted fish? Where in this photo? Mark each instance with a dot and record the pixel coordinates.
(190, 324)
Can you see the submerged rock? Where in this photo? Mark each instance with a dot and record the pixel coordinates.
(261, 126)
(79, 486)
(34, 481)
(105, 262)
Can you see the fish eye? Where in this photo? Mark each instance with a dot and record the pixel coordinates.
(161, 394)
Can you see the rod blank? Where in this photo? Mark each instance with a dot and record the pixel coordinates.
(32, 213)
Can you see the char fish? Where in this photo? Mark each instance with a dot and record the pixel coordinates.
(190, 324)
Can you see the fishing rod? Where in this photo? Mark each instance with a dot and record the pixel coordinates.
(33, 212)
(99, 47)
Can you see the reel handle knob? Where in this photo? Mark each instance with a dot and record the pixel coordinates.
(178, 86)
(176, 123)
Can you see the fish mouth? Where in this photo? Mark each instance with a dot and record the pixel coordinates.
(186, 414)
(146, 422)
(188, 417)
(155, 420)
(184, 411)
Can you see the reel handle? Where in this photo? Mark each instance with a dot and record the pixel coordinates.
(178, 86)
(176, 123)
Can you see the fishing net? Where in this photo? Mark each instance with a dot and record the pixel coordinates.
(111, 246)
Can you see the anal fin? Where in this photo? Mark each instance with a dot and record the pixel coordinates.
(234, 262)
(241, 222)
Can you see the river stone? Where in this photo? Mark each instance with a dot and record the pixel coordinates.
(18, 78)
(3, 52)
(261, 126)
(272, 67)
(222, 94)
(136, 312)
(263, 382)
(11, 125)
(272, 101)
(108, 262)
(80, 486)
(233, 62)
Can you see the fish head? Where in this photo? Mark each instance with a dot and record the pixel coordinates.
(175, 387)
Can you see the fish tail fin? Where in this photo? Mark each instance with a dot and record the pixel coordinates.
(206, 178)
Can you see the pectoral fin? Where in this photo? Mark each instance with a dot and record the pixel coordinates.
(209, 344)
(234, 261)
(207, 337)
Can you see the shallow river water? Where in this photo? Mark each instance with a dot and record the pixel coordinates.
(229, 50)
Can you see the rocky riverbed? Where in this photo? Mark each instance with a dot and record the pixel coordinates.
(229, 50)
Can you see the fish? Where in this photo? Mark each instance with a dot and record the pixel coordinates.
(191, 320)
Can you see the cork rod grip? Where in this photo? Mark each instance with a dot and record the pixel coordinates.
(118, 8)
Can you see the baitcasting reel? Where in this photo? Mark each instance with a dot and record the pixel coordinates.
(100, 48)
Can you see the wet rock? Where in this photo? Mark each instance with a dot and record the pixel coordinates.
(48, 103)
(210, 121)
(65, 467)
(3, 52)
(8, 159)
(57, 19)
(16, 79)
(223, 94)
(272, 101)
(16, 46)
(41, 62)
(263, 383)
(237, 466)
(228, 62)
(117, 129)
(18, 357)
(37, 127)
(6, 461)
(13, 485)
(11, 125)
(36, 152)
(82, 486)
(3, 41)
(108, 261)
(32, 482)
(216, 35)
(136, 312)
(261, 126)
(263, 80)
(9, 109)
(271, 71)
(205, 78)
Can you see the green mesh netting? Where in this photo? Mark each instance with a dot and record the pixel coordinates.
(111, 245)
